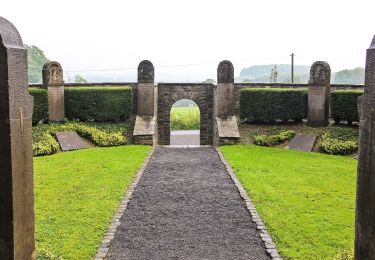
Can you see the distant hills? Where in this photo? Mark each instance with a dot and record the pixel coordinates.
(261, 74)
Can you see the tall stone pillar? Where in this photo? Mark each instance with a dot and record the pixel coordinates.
(226, 126)
(53, 81)
(16, 155)
(365, 204)
(144, 129)
(319, 94)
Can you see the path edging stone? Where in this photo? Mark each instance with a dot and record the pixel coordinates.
(270, 246)
(109, 236)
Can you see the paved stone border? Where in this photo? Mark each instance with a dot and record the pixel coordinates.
(104, 247)
(266, 238)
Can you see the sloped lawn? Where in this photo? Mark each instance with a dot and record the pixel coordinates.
(307, 200)
(76, 196)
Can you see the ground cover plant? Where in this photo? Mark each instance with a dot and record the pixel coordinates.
(76, 196)
(277, 136)
(307, 200)
(185, 118)
(101, 134)
(339, 141)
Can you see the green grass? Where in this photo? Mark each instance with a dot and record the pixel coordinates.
(77, 194)
(185, 118)
(307, 200)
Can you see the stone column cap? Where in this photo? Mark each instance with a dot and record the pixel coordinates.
(9, 34)
(146, 72)
(52, 74)
(320, 74)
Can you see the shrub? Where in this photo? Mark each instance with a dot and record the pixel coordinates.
(40, 111)
(275, 138)
(344, 105)
(272, 104)
(101, 104)
(339, 141)
(101, 134)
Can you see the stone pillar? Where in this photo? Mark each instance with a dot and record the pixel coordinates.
(226, 127)
(365, 204)
(144, 128)
(319, 93)
(145, 88)
(53, 81)
(225, 99)
(16, 155)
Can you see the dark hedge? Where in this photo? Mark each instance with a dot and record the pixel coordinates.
(40, 110)
(273, 104)
(100, 104)
(344, 105)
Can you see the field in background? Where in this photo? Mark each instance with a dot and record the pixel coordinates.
(307, 200)
(185, 118)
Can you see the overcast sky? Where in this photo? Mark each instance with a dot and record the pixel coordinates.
(96, 35)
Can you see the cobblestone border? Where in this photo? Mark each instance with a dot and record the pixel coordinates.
(255, 217)
(104, 247)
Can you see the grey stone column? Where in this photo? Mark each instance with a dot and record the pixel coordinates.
(53, 81)
(319, 94)
(226, 127)
(144, 128)
(365, 204)
(146, 88)
(16, 155)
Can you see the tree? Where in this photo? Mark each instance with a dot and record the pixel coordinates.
(274, 74)
(35, 59)
(79, 79)
(212, 81)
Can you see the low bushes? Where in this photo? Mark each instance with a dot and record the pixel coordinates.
(344, 105)
(339, 141)
(101, 134)
(40, 111)
(273, 104)
(101, 104)
(274, 138)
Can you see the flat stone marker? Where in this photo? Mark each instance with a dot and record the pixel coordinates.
(70, 141)
(302, 142)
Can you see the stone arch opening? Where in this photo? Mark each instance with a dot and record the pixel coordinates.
(170, 93)
(185, 118)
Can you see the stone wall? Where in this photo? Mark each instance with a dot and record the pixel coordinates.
(201, 94)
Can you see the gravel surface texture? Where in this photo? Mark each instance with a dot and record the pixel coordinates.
(186, 207)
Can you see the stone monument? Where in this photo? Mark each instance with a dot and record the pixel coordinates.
(144, 128)
(16, 166)
(226, 123)
(319, 93)
(53, 81)
(365, 205)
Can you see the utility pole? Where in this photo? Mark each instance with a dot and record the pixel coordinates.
(292, 68)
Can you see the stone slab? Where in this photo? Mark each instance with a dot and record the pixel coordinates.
(302, 142)
(185, 137)
(227, 127)
(70, 141)
(144, 125)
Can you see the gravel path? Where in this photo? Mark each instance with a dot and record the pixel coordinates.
(186, 207)
(185, 137)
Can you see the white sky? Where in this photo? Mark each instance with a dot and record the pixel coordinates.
(89, 35)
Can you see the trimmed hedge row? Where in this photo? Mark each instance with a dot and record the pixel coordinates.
(344, 105)
(40, 111)
(272, 104)
(101, 104)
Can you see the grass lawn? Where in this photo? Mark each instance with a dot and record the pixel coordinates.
(185, 118)
(77, 194)
(307, 200)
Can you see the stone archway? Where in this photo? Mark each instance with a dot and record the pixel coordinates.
(201, 94)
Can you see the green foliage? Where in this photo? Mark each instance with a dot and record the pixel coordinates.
(101, 134)
(339, 141)
(344, 105)
(35, 59)
(40, 110)
(355, 76)
(79, 79)
(274, 74)
(76, 196)
(185, 118)
(272, 104)
(101, 104)
(307, 200)
(275, 138)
